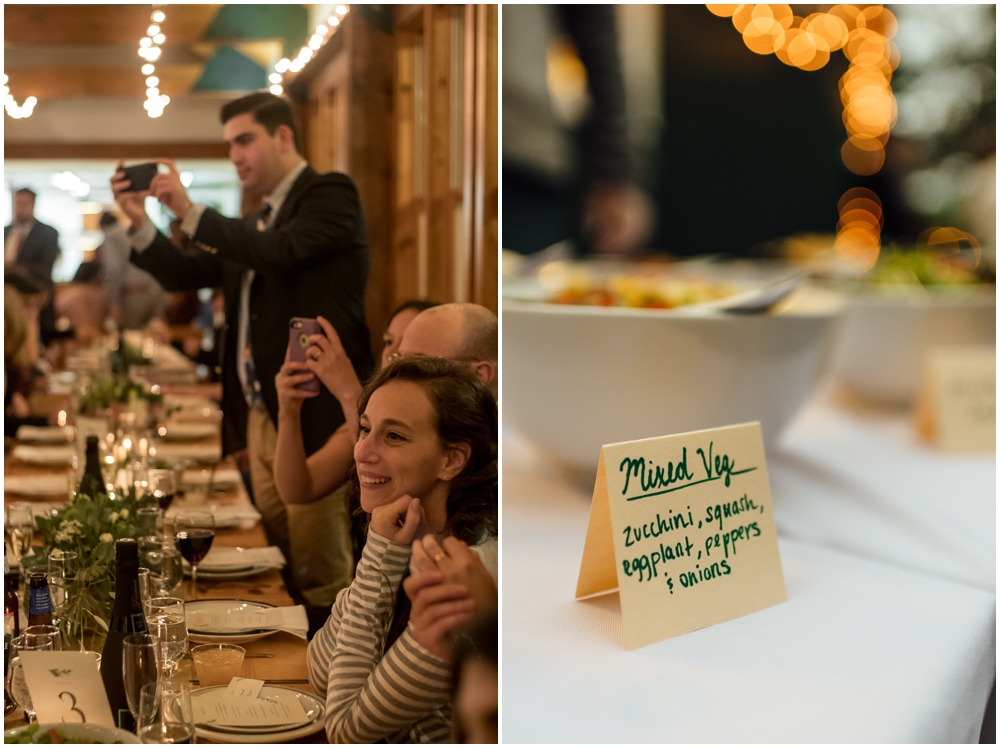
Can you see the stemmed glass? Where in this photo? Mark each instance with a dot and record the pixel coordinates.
(140, 666)
(165, 713)
(194, 533)
(164, 606)
(17, 687)
(163, 486)
(173, 635)
(62, 584)
(165, 568)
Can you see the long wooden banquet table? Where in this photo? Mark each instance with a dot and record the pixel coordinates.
(280, 656)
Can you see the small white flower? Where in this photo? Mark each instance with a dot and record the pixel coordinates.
(113, 518)
(106, 537)
(124, 513)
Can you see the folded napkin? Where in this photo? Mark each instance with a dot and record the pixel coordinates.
(189, 403)
(36, 485)
(51, 434)
(180, 431)
(224, 515)
(222, 478)
(45, 455)
(226, 559)
(199, 452)
(292, 619)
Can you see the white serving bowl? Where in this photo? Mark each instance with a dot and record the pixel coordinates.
(885, 334)
(579, 377)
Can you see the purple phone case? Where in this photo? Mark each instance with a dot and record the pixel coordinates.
(299, 330)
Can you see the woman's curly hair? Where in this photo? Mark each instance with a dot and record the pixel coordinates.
(465, 413)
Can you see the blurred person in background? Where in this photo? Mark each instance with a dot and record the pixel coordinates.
(23, 296)
(303, 254)
(474, 682)
(563, 181)
(134, 294)
(84, 302)
(27, 242)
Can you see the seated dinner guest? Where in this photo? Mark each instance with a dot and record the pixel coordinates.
(463, 332)
(84, 303)
(426, 461)
(474, 682)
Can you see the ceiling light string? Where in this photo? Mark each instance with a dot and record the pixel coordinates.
(323, 33)
(149, 50)
(12, 107)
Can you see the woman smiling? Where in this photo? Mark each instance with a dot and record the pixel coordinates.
(426, 467)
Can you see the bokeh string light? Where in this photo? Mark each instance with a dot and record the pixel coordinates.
(862, 33)
(10, 105)
(149, 50)
(323, 33)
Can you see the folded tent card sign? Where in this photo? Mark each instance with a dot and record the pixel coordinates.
(683, 527)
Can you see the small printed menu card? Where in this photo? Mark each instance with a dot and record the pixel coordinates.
(241, 705)
(683, 527)
(66, 687)
(957, 402)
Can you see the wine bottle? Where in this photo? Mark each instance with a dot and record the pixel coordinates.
(39, 600)
(126, 618)
(92, 482)
(119, 364)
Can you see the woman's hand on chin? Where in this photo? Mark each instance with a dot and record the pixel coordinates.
(458, 564)
(399, 520)
(438, 609)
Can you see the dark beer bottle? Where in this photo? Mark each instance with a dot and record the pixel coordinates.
(126, 618)
(92, 482)
(39, 600)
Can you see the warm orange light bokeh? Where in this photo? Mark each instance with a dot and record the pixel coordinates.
(723, 11)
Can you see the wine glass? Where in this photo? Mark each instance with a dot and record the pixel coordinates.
(165, 606)
(148, 520)
(17, 686)
(62, 578)
(140, 666)
(21, 527)
(46, 629)
(173, 635)
(163, 487)
(194, 532)
(165, 713)
(144, 585)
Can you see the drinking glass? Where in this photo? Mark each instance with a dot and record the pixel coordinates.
(140, 666)
(172, 633)
(144, 588)
(148, 544)
(46, 629)
(21, 527)
(217, 664)
(17, 687)
(163, 487)
(166, 570)
(165, 713)
(165, 606)
(194, 532)
(148, 520)
(62, 583)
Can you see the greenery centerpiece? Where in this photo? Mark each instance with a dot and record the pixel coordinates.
(89, 526)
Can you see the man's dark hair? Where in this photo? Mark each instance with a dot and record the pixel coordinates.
(107, 219)
(27, 191)
(87, 272)
(269, 110)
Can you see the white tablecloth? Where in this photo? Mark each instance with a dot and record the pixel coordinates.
(863, 651)
(857, 479)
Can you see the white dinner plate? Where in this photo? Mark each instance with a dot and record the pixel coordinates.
(176, 432)
(45, 434)
(244, 636)
(61, 455)
(315, 710)
(227, 576)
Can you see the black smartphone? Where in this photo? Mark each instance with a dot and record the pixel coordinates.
(140, 176)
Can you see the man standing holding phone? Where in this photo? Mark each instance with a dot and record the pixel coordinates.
(304, 254)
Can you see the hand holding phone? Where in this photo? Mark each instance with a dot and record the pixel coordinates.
(139, 175)
(299, 330)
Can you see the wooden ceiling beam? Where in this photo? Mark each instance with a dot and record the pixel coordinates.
(63, 83)
(102, 24)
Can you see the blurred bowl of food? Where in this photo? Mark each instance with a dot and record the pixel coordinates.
(634, 364)
(909, 303)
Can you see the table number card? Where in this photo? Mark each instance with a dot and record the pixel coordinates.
(957, 404)
(66, 687)
(683, 527)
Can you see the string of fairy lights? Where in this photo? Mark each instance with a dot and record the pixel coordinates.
(150, 51)
(322, 34)
(864, 36)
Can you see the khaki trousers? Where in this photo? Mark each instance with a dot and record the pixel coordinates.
(315, 537)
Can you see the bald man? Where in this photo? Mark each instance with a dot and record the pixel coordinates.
(463, 332)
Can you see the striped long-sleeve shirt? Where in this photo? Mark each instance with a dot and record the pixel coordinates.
(401, 695)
